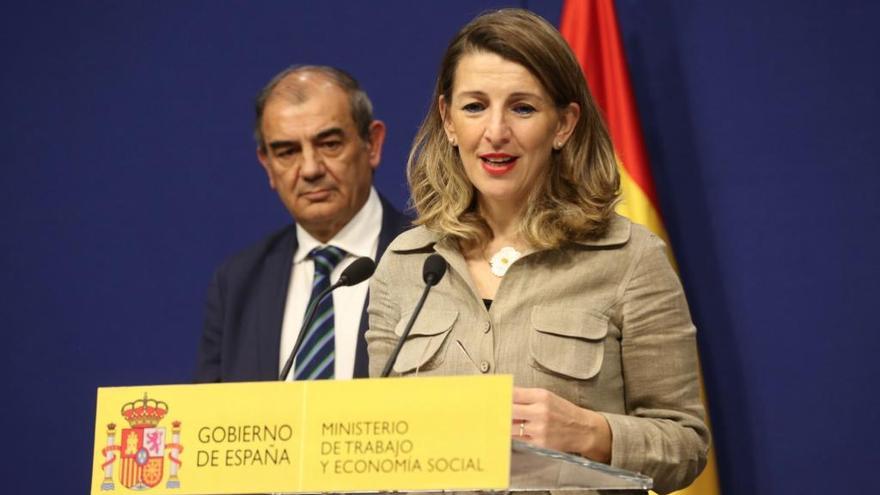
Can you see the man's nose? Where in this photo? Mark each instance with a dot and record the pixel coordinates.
(312, 165)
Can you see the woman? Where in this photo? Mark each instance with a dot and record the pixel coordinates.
(514, 182)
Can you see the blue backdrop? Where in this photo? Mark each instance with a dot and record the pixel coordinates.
(129, 174)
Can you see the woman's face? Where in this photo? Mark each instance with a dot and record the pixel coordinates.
(505, 125)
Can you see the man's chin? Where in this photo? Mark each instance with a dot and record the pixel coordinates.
(322, 217)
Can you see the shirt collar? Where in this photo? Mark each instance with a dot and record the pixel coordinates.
(420, 239)
(357, 238)
(618, 233)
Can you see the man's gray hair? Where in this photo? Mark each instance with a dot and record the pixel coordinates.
(358, 101)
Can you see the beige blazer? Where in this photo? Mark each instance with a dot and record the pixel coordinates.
(603, 324)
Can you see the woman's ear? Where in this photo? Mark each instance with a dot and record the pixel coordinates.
(447, 122)
(568, 119)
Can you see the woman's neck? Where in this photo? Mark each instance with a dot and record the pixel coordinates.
(504, 223)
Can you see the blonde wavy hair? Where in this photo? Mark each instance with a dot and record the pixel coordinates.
(575, 201)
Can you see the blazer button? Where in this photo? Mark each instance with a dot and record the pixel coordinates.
(484, 366)
(487, 326)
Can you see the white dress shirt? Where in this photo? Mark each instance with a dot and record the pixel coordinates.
(360, 237)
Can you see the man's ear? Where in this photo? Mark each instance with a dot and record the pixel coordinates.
(447, 122)
(377, 139)
(264, 162)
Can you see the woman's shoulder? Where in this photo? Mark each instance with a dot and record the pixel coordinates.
(417, 238)
(623, 231)
(642, 235)
(406, 252)
(628, 239)
(644, 248)
(618, 233)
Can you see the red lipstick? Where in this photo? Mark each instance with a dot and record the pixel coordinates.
(497, 164)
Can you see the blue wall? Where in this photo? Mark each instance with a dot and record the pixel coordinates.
(129, 174)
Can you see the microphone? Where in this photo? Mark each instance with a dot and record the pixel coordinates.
(432, 271)
(355, 273)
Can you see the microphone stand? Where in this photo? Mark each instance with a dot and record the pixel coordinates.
(358, 271)
(412, 319)
(310, 315)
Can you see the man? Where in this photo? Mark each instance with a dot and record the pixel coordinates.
(319, 145)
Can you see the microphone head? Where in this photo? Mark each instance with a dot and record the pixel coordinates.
(358, 271)
(433, 269)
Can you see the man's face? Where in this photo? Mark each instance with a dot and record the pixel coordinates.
(315, 159)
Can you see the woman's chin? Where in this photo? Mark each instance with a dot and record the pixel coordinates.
(502, 196)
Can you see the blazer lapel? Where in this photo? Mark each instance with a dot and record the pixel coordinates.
(272, 299)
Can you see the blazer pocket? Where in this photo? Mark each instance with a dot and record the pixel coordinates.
(423, 345)
(568, 341)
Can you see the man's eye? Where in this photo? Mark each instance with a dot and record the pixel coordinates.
(331, 145)
(284, 153)
(523, 109)
(473, 107)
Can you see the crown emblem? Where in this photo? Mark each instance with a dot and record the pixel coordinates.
(144, 413)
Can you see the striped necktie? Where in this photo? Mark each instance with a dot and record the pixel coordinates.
(315, 360)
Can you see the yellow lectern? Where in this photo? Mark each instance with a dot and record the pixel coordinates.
(395, 434)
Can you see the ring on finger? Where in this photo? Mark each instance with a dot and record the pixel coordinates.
(522, 429)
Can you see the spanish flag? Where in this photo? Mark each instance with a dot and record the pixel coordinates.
(590, 27)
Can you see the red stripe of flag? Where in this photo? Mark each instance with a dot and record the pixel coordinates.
(590, 27)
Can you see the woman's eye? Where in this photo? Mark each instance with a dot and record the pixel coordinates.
(524, 109)
(473, 107)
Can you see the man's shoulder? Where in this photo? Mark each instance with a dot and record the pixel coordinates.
(281, 244)
(277, 243)
(393, 220)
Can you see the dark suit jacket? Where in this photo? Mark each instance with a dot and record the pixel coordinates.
(245, 307)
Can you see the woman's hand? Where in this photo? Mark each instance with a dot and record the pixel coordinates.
(544, 419)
